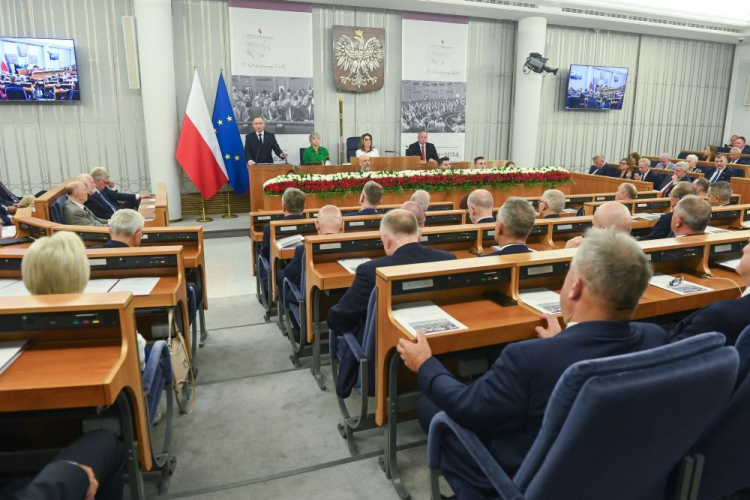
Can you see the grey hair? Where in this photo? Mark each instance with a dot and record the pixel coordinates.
(682, 164)
(99, 173)
(517, 215)
(667, 155)
(612, 264)
(645, 161)
(703, 183)
(293, 200)
(399, 222)
(555, 199)
(313, 135)
(694, 211)
(722, 189)
(126, 222)
(597, 157)
(421, 198)
(692, 157)
(480, 198)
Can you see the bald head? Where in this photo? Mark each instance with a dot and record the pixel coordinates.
(414, 208)
(613, 215)
(329, 220)
(88, 182)
(480, 204)
(77, 191)
(398, 228)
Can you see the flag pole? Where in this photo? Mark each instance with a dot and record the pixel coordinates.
(203, 210)
(229, 214)
(342, 146)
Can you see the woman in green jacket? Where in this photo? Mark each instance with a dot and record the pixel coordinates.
(315, 154)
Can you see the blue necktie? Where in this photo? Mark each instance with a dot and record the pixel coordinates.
(107, 202)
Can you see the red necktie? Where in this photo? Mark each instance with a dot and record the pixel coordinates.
(424, 158)
(667, 188)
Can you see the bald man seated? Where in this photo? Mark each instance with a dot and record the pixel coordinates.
(479, 204)
(416, 209)
(515, 220)
(75, 211)
(399, 232)
(612, 215)
(626, 191)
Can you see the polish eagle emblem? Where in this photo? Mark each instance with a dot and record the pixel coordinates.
(359, 58)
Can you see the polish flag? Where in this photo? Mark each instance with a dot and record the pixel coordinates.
(198, 150)
(4, 67)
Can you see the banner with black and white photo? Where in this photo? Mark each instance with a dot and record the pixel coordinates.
(433, 86)
(272, 70)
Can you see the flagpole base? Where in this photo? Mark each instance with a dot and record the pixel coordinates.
(229, 216)
(204, 219)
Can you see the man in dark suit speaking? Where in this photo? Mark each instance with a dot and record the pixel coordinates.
(259, 144)
(422, 148)
(505, 407)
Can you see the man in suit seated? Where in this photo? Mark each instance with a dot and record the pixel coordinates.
(480, 205)
(600, 167)
(97, 202)
(720, 194)
(739, 142)
(551, 204)
(505, 407)
(729, 317)
(259, 144)
(9, 200)
(690, 217)
(421, 198)
(515, 219)
(662, 228)
(372, 195)
(610, 215)
(665, 162)
(106, 187)
(679, 175)
(701, 186)
(293, 204)
(646, 175)
(415, 209)
(399, 232)
(721, 172)
(735, 158)
(75, 211)
(125, 230)
(626, 191)
(423, 149)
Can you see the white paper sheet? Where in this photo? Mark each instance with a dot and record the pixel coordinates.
(351, 265)
(138, 286)
(729, 263)
(6, 282)
(100, 286)
(289, 241)
(714, 230)
(685, 288)
(9, 231)
(425, 316)
(644, 215)
(541, 299)
(9, 351)
(17, 289)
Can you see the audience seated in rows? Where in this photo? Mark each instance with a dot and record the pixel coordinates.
(646, 175)
(729, 317)
(125, 229)
(105, 186)
(701, 186)
(419, 214)
(293, 205)
(735, 158)
(720, 194)
(480, 204)
(505, 407)
(515, 219)
(551, 204)
(369, 200)
(96, 201)
(662, 227)
(679, 175)
(690, 216)
(626, 191)
(75, 210)
(665, 162)
(421, 198)
(610, 215)
(600, 167)
(399, 232)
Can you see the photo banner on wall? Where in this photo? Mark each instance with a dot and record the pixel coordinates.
(272, 70)
(433, 86)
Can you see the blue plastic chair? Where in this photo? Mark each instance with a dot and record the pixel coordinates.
(57, 209)
(352, 144)
(74, 95)
(262, 285)
(292, 299)
(614, 427)
(723, 452)
(156, 378)
(682, 155)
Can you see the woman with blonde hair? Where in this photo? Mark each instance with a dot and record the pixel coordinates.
(57, 264)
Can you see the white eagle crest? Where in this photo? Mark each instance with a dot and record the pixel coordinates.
(359, 58)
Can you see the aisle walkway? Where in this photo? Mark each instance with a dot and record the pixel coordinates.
(261, 428)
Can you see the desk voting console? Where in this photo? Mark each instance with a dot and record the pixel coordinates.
(81, 362)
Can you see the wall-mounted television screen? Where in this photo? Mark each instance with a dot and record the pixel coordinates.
(38, 70)
(595, 87)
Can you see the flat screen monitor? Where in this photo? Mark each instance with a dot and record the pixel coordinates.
(598, 88)
(34, 70)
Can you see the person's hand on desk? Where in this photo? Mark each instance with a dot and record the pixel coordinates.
(414, 353)
(431, 160)
(283, 156)
(552, 329)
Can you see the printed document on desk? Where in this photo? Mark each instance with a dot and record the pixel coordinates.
(351, 265)
(100, 286)
(683, 288)
(138, 286)
(427, 317)
(7, 282)
(9, 351)
(9, 231)
(729, 264)
(542, 300)
(289, 241)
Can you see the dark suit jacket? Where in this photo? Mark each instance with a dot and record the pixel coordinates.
(364, 211)
(429, 151)
(489, 218)
(265, 245)
(261, 153)
(607, 170)
(509, 250)
(661, 229)
(725, 175)
(128, 200)
(551, 216)
(5, 216)
(729, 317)
(745, 150)
(7, 197)
(59, 480)
(111, 244)
(293, 270)
(655, 177)
(506, 405)
(99, 207)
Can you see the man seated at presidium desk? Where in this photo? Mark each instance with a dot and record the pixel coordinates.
(505, 407)
(423, 149)
(259, 144)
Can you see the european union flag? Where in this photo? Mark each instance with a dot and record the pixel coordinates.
(230, 142)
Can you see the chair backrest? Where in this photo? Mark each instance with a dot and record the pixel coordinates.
(157, 375)
(352, 144)
(74, 95)
(726, 445)
(301, 155)
(368, 342)
(682, 155)
(57, 209)
(303, 277)
(604, 413)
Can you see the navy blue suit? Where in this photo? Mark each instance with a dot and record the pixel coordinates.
(729, 317)
(128, 200)
(661, 230)
(112, 244)
(430, 151)
(100, 206)
(293, 270)
(656, 178)
(745, 150)
(505, 406)
(7, 197)
(350, 313)
(489, 218)
(607, 170)
(265, 245)
(725, 175)
(509, 250)
(551, 216)
(4, 217)
(364, 211)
